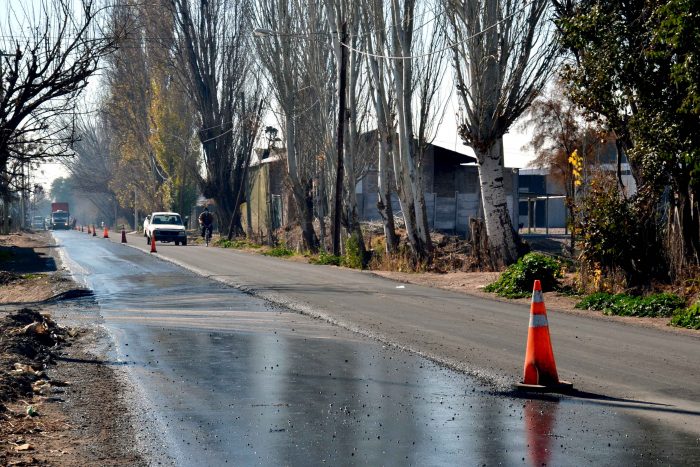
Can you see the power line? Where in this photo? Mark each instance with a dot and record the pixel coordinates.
(434, 52)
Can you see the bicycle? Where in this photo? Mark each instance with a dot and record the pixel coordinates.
(207, 234)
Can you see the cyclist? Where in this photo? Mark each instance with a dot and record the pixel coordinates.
(206, 221)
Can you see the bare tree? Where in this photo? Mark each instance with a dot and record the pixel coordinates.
(344, 18)
(53, 48)
(381, 99)
(213, 43)
(503, 56)
(430, 39)
(396, 43)
(93, 162)
(291, 58)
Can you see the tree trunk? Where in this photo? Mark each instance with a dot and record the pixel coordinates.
(302, 192)
(384, 201)
(499, 228)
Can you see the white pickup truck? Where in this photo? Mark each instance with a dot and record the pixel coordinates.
(167, 227)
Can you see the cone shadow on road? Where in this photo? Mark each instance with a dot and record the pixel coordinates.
(600, 399)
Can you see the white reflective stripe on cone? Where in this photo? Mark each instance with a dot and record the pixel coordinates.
(537, 296)
(538, 321)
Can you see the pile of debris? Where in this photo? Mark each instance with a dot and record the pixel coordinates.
(28, 342)
(7, 277)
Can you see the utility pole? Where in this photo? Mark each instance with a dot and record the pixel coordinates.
(136, 214)
(341, 129)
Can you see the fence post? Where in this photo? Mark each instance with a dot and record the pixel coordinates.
(546, 215)
(435, 208)
(455, 229)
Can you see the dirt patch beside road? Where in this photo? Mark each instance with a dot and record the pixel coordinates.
(61, 402)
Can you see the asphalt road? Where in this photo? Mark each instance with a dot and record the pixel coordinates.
(231, 378)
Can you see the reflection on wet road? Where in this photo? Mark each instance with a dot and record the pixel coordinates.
(232, 379)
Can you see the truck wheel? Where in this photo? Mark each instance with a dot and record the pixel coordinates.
(148, 240)
(184, 242)
(177, 243)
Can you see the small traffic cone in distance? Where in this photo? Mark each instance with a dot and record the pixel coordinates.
(105, 234)
(94, 231)
(88, 230)
(123, 235)
(153, 242)
(540, 371)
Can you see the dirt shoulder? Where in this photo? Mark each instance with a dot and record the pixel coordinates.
(61, 400)
(28, 269)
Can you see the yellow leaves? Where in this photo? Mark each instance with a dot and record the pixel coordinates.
(597, 277)
(576, 162)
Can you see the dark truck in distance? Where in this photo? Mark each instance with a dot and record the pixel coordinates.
(60, 216)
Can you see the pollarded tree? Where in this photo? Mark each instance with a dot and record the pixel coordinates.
(504, 54)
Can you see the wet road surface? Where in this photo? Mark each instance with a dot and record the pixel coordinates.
(231, 379)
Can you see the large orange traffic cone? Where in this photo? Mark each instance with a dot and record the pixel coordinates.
(94, 231)
(153, 242)
(105, 234)
(123, 235)
(540, 372)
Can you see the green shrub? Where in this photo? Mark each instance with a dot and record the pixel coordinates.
(597, 301)
(518, 279)
(654, 306)
(236, 244)
(223, 243)
(353, 253)
(688, 318)
(279, 251)
(326, 258)
(31, 276)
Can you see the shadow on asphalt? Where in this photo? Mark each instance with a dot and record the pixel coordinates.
(599, 399)
(94, 361)
(68, 295)
(26, 260)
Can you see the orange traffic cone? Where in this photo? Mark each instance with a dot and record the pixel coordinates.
(105, 234)
(94, 231)
(540, 372)
(88, 230)
(123, 235)
(153, 242)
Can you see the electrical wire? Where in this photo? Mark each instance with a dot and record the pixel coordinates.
(435, 52)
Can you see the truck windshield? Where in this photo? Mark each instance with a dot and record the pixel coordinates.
(167, 219)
